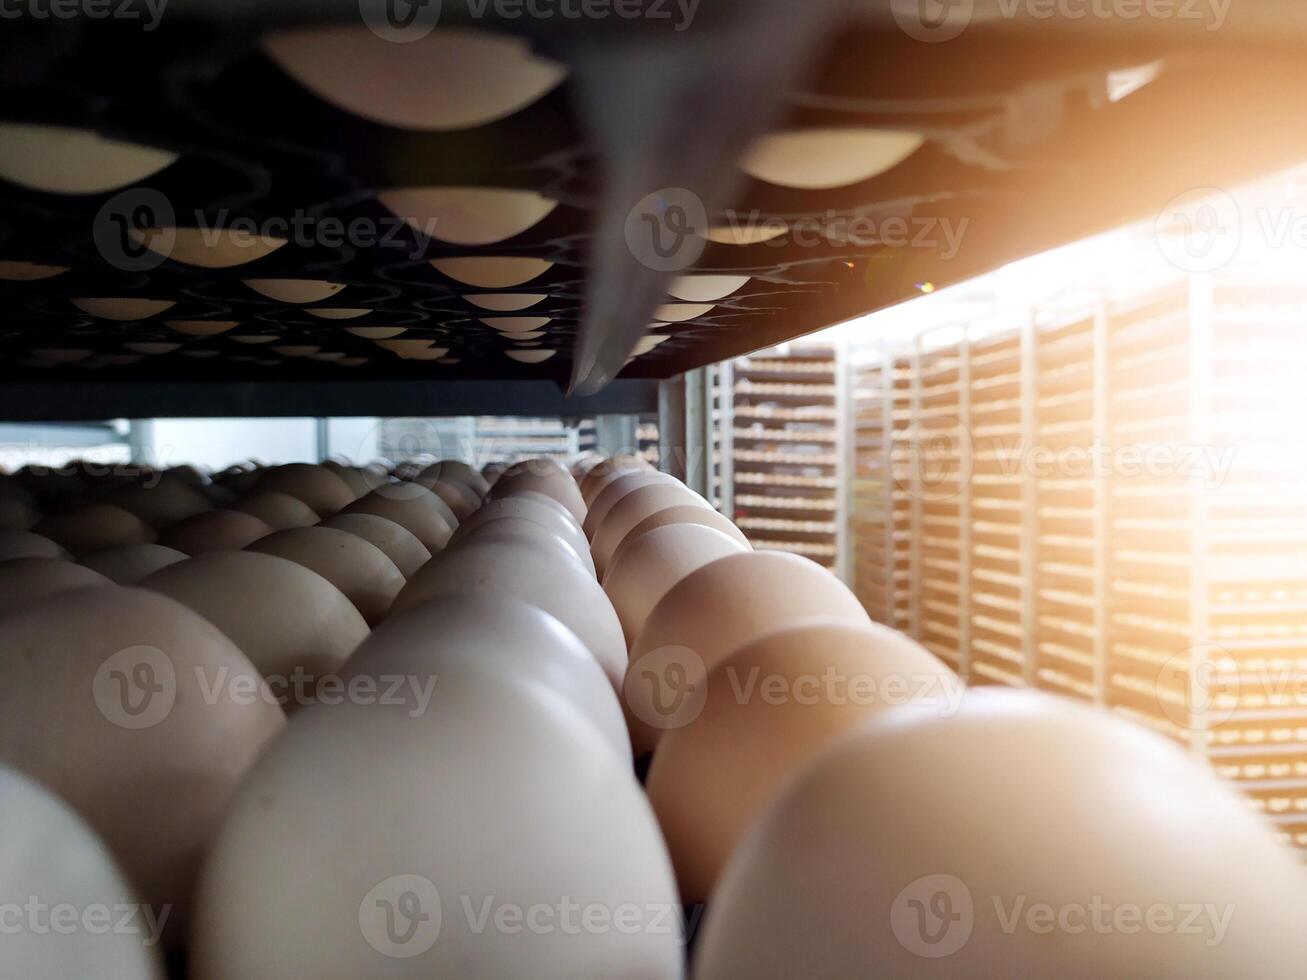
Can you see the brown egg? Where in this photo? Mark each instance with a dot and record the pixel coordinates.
(682, 514)
(357, 568)
(761, 716)
(533, 572)
(614, 492)
(25, 544)
(407, 552)
(218, 495)
(26, 581)
(360, 482)
(541, 478)
(139, 714)
(652, 564)
(162, 504)
(491, 473)
(718, 609)
(218, 530)
(17, 515)
(500, 634)
(317, 486)
(519, 527)
(457, 496)
(1021, 837)
(187, 474)
(412, 507)
(128, 564)
(280, 511)
(602, 474)
(453, 469)
(496, 797)
(633, 508)
(50, 855)
(94, 526)
(283, 616)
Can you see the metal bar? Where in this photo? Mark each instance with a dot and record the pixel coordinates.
(1101, 521)
(1029, 500)
(846, 467)
(1200, 434)
(306, 399)
(966, 464)
(696, 470)
(322, 438)
(726, 436)
(918, 442)
(671, 427)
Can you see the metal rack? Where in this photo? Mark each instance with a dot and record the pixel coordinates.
(784, 436)
(1104, 502)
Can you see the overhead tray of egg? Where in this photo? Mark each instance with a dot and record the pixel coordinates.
(317, 203)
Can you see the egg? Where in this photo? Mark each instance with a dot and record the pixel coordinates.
(283, 616)
(533, 572)
(493, 471)
(497, 634)
(139, 714)
(651, 565)
(25, 544)
(280, 511)
(1021, 836)
(459, 497)
(127, 564)
(357, 568)
(682, 514)
(507, 528)
(633, 508)
(94, 526)
(618, 489)
(17, 515)
(453, 469)
(401, 547)
(162, 504)
(316, 486)
(443, 862)
(613, 468)
(50, 856)
(412, 507)
(545, 511)
(26, 581)
(550, 481)
(715, 610)
(360, 482)
(218, 530)
(760, 717)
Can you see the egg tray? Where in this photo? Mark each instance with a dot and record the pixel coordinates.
(1022, 145)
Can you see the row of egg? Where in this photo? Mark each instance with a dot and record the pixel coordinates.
(806, 821)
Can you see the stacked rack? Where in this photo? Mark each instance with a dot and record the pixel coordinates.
(788, 450)
(485, 439)
(1107, 505)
